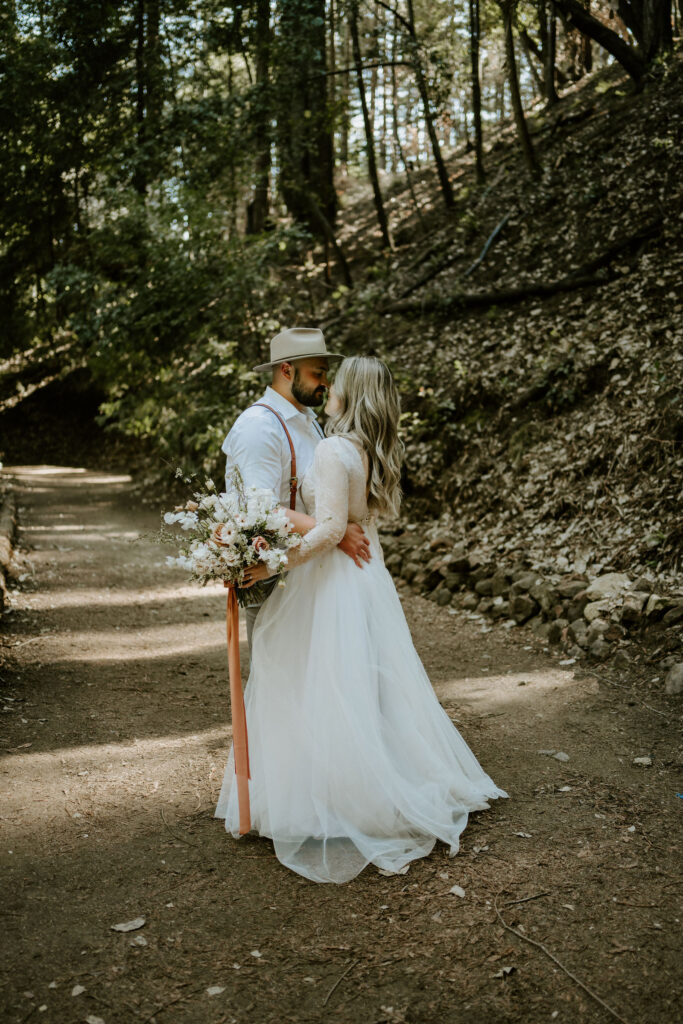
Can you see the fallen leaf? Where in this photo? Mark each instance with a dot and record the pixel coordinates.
(129, 926)
(77, 990)
(92, 1019)
(457, 890)
(256, 953)
(504, 972)
(561, 756)
(215, 990)
(522, 835)
(645, 761)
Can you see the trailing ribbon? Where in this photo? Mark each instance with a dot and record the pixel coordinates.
(240, 739)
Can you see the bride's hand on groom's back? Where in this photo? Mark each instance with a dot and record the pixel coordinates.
(355, 544)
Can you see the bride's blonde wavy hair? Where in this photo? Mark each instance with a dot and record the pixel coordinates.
(369, 412)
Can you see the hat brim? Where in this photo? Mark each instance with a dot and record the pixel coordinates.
(295, 359)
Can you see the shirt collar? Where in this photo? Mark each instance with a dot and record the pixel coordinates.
(285, 408)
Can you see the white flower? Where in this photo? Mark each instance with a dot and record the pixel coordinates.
(171, 517)
(278, 521)
(275, 559)
(224, 534)
(230, 556)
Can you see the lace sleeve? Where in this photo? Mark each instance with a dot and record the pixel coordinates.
(331, 505)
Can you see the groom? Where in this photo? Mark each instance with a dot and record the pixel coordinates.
(273, 441)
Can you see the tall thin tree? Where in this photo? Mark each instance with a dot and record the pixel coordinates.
(475, 31)
(369, 140)
(413, 42)
(508, 7)
(260, 206)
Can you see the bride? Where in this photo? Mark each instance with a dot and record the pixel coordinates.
(353, 760)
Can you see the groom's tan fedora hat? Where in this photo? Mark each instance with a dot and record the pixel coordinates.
(297, 343)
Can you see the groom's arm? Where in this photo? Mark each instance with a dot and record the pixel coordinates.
(354, 543)
(256, 450)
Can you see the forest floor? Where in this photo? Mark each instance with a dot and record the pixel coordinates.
(115, 734)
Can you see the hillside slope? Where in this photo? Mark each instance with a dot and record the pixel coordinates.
(550, 422)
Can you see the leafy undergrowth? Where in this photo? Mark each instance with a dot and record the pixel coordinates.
(550, 425)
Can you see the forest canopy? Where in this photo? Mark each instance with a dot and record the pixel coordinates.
(173, 174)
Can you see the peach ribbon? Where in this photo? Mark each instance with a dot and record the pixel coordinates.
(240, 739)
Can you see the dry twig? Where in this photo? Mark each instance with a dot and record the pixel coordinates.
(180, 839)
(539, 945)
(340, 979)
(526, 899)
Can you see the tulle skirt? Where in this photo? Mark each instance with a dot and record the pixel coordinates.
(353, 760)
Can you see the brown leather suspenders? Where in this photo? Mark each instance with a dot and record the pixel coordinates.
(293, 481)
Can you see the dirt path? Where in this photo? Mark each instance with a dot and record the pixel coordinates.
(114, 738)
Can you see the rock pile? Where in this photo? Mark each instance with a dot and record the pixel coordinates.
(595, 616)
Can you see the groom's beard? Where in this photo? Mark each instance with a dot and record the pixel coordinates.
(307, 396)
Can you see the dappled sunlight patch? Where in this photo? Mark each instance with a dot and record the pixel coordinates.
(113, 597)
(83, 784)
(511, 688)
(142, 644)
(94, 533)
(65, 474)
(46, 470)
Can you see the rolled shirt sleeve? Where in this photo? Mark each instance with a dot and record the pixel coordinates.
(255, 449)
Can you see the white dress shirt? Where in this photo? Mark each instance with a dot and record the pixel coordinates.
(258, 447)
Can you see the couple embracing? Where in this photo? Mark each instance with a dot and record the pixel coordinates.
(353, 761)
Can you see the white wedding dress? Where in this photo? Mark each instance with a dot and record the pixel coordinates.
(353, 760)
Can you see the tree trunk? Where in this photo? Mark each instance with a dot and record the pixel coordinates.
(399, 147)
(370, 146)
(475, 30)
(384, 141)
(650, 23)
(345, 90)
(550, 55)
(576, 15)
(260, 206)
(304, 124)
(516, 99)
(154, 71)
(586, 49)
(444, 181)
(139, 175)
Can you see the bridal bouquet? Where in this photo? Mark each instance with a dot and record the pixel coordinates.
(227, 532)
